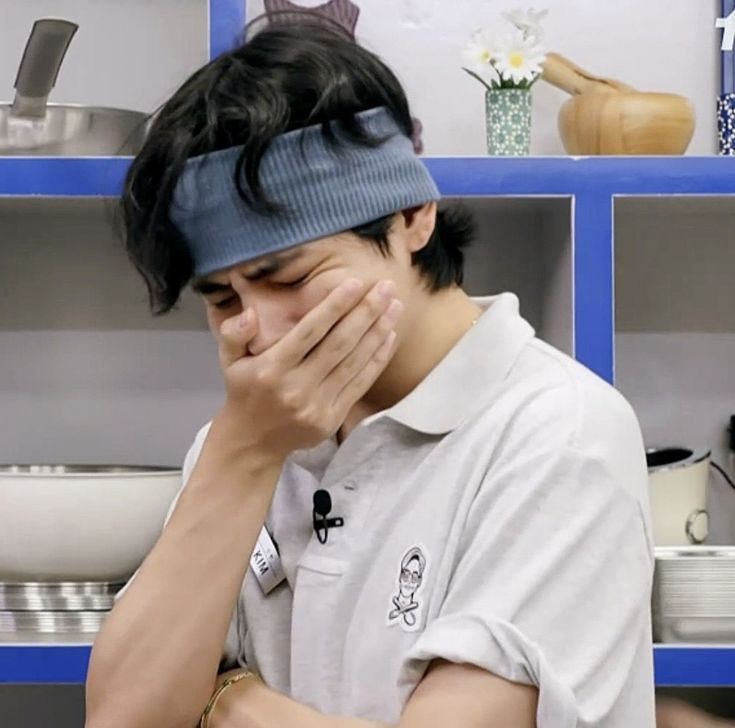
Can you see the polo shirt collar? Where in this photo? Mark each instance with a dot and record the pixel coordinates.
(480, 360)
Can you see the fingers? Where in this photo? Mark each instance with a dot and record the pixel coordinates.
(358, 386)
(346, 336)
(362, 354)
(235, 335)
(297, 343)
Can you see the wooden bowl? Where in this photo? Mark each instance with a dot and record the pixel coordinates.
(626, 123)
(605, 116)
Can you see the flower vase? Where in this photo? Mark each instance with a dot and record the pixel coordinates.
(508, 121)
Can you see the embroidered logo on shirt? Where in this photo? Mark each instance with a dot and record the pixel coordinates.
(406, 603)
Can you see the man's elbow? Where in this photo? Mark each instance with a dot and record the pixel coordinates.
(110, 717)
(110, 709)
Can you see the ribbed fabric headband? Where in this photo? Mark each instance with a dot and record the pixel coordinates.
(323, 189)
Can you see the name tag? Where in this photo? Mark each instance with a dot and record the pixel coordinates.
(266, 563)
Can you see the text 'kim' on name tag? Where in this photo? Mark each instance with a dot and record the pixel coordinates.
(266, 563)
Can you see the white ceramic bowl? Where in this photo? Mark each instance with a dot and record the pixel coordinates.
(80, 523)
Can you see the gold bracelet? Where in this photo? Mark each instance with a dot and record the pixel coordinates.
(204, 720)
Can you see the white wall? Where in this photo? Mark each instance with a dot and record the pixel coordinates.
(87, 375)
(654, 45)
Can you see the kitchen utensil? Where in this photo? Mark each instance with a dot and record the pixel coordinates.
(693, 596)
(80, 523)
(36, 596)
(52, 622)
(605, 116)
(31, 126)
(677, 487)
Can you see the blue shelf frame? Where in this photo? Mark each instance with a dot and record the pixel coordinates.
(675, 666)
(590, 183)
(226, 24)
(44, 664)
(694, 666)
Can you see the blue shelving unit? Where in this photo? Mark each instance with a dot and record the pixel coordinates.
(591, 184)
(694, 666)
(44, 664)
(56, 664)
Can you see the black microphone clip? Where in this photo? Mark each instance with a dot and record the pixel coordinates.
(322, 507)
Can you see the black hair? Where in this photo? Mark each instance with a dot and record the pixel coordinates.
(287, 76)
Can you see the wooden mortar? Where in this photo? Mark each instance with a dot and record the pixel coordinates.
(605, 116)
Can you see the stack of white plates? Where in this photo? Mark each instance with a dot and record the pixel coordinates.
(694, 594)
(68, 607)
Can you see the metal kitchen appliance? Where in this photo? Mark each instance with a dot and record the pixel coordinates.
(62, 608)
(677, 487)
(71, 536)
(694, 594)
(32, 126)
(81, 523)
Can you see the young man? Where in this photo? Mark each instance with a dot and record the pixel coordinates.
(478, 550)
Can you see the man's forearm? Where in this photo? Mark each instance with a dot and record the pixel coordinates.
(458, 695)
(155, 660)
(251, 704)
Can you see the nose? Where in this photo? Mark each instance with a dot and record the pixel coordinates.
(273, 325)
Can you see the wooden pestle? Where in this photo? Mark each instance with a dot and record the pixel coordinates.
(562, 73)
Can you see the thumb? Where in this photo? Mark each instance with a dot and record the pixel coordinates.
(235, 334)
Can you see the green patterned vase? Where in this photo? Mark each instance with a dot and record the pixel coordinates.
(508, 120)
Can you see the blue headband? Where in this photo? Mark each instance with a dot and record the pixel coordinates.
(323, 189)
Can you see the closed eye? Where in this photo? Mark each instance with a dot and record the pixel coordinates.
(226, 303)
(290, 284)
(231, 300)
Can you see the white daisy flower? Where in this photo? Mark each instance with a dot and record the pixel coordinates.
(478, 53)
(528, 22)
(517, 59)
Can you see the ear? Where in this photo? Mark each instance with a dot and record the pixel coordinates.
(418, 225)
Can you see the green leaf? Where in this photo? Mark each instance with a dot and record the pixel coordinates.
(478, 77)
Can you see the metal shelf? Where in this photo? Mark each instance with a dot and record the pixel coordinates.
(66, 663)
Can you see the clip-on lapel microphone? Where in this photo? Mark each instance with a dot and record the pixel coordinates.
(322, 507)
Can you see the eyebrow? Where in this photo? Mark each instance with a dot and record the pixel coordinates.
(270, 266)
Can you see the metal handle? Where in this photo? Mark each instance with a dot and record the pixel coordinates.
(689, 527)
(39, 67)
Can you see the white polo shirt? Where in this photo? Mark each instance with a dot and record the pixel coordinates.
(496, 516)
